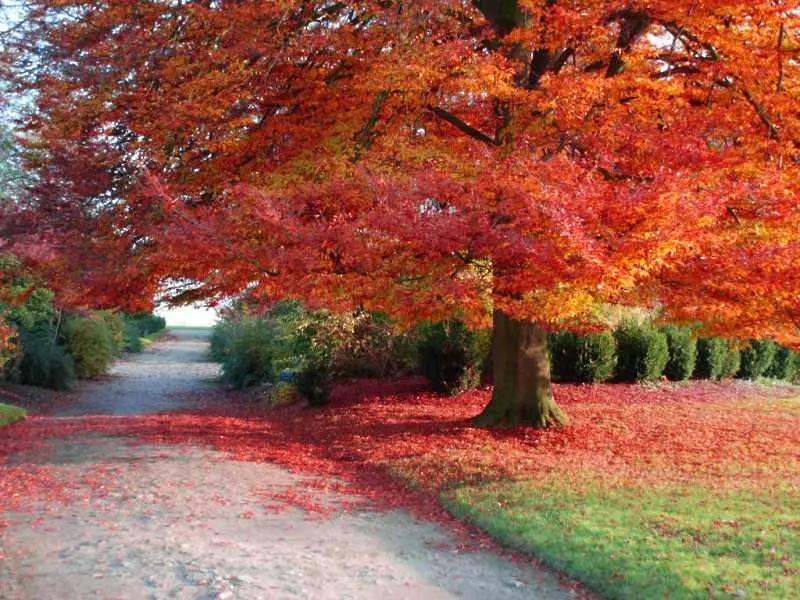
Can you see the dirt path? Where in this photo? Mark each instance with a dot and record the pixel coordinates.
(190, 523)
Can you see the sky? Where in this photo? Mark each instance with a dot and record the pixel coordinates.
(188, 316)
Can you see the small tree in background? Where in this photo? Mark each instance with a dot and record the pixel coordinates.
(784, 365)
(712, 354)
(756, 358)
(682, 352)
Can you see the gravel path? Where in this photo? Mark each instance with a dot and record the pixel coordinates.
(189, 523)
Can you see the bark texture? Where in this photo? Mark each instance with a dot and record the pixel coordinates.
(522, 392)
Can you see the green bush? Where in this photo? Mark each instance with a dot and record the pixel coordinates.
(682, 352)
(313, 347)
(314, 379)
(89, 341)
(37, 312)
(248, 356)
(451, 356)
(712, 355)
(784, 365)
(733, 362)
(642, 352)
(148, 323)
(43, 361)
(132, 337)
(360, 344)
(757, 358)
(582, 358)
(117, 329)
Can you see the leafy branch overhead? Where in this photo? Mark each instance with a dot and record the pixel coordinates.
(351, 153)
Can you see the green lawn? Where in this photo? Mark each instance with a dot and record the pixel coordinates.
(11, 414)
(647, 542)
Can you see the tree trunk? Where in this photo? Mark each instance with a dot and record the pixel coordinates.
(522, 393)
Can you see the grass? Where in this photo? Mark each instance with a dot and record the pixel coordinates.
(633, 542)
(689, 518)
(152, 337)
(11, 414)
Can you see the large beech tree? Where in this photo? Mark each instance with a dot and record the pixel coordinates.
(531, 158)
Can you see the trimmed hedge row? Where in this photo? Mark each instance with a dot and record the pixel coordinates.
(642, 352)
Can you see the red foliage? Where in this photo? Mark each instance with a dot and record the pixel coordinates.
(552, 155)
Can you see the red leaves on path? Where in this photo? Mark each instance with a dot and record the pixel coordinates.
(392, 444)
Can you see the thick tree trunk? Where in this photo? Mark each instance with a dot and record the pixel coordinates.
(522, 393)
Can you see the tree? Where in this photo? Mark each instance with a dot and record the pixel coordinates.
(533, 159)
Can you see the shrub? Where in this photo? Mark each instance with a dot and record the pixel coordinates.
(281, 394)
(314, 378)
(148, 323)
(712, 355)
(582, 358)
(360, 344)
(37, 312)
(117, 329)
(247, 356)
(451, 356)
(221, 340)
(642, 352)
(682, 352)
(132, 336)
(784, 365)
(89, 341)
(757, 358)
(43, 361)
(733, 361)
(7, 346)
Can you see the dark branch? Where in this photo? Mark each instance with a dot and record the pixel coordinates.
(464, 127)
(365, 135)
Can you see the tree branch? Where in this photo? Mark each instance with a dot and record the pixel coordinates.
(364, 136)
(464, 127)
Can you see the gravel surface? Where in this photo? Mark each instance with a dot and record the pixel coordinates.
(189, 523)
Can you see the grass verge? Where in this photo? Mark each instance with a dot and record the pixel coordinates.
(633, 542)
(11, 414)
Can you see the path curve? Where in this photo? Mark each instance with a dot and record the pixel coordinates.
(190, 523)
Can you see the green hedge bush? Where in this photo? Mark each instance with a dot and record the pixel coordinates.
(148, 323)
(733, 362)
(682, 352)
(116, 328)
(248, 356)
(784, 365)
(712, 354)
(43, 361)
(132, 336)
(642, 352)
(582, 358)
(716, 359)
(314, 379)
(90, 343)
(451, 356)
(756, 358)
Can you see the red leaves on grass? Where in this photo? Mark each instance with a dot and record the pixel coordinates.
(392, 444)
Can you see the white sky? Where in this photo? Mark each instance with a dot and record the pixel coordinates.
(188, 316)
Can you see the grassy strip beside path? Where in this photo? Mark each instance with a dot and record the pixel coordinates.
(11, 414)
(638, 542)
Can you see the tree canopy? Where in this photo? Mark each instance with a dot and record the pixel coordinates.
(426, 158)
